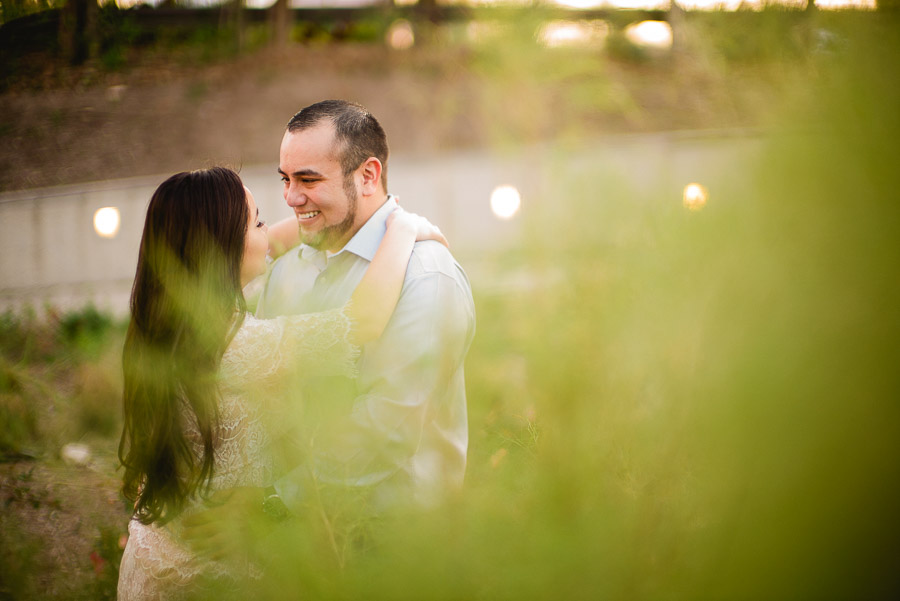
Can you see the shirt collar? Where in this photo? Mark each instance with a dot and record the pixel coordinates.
(364, 243)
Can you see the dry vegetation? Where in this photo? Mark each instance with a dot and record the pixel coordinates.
(164, 109)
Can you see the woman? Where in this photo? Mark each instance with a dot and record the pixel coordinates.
(198, 367)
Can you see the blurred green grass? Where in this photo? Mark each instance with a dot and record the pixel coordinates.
(59, 379)
(691, 404)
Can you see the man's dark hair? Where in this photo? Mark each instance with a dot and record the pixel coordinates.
(357, 133)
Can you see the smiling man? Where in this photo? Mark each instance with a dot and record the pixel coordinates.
(318, 165)
(399, 430)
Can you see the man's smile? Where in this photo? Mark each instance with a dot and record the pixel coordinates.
(308, 215)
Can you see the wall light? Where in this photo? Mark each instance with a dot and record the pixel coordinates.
(505, 202)
(650, 34)
(400, 35)
(106, 222)
(695, 196)
(556, 34)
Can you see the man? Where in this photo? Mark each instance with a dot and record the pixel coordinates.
(405, 432)
(398, 431)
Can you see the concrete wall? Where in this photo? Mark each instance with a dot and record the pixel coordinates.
(49, 252)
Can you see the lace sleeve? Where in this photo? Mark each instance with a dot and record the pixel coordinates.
(317, 343)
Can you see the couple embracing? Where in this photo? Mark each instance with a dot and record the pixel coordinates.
(365, 311)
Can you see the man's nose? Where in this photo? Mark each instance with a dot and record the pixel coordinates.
(294, 197)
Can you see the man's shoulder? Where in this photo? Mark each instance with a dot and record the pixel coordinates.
(433, 258)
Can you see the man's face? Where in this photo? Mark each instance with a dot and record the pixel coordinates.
(324, 202)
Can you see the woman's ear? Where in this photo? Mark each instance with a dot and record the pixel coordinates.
(370, 171)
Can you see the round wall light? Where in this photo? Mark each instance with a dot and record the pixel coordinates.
(505, 202)
(695, 196)
(106, 222)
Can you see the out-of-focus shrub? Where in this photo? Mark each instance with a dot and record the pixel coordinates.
(105, 559)
(750, 36)
(18, 416)
(97, 400)
(60, 379)
(17, 556)
(85, 331)
(690, 404)
(16, 10)
(25, 337)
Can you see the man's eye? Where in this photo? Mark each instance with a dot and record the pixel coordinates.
(284, 179)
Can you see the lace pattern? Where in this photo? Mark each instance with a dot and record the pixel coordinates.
(156, 565)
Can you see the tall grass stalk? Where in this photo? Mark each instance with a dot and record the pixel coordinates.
(686, 404)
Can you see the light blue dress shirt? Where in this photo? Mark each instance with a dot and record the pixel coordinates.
(400, 428)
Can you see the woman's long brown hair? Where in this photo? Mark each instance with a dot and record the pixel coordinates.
(186, 305)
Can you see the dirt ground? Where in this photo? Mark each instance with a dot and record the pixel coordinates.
(62, 527)
(165, 114)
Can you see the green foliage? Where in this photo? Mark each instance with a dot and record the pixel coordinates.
(533, 93)
(97, 400)
(209, 44)
(113, 59)
(105, 558)
(683, 404)
(369, 30)
(310, 32)
(255, 37)
(25, 342)
(364, 30)
(118, 31)
(17, 556)
(85, 331)
(19, 419)
(60, 379)
(750, 36)
(620, 47)
(15, 9)
(25, 337)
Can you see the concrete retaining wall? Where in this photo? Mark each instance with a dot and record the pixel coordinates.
(50, 253)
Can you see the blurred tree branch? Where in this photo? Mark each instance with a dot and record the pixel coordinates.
(78, 34)
(232, 16)
(281, 19)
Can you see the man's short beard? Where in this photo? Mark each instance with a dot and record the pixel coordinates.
(328, 236)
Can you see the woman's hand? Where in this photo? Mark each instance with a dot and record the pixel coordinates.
(232, 520)
(423, 228)
(378, 292)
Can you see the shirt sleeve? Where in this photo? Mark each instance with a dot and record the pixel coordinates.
(404, 378)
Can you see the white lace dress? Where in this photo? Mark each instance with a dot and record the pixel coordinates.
(156, 565)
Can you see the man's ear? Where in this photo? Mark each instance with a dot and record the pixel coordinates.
(370, 172)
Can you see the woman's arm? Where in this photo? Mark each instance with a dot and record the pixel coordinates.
(377, 294)
(329, 341)
(283, 235)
